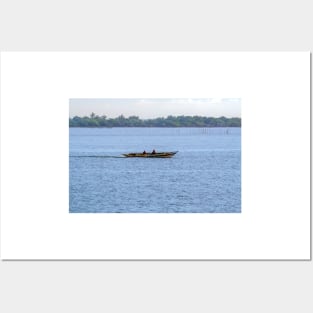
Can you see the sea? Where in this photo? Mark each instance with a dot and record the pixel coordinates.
(203, 177)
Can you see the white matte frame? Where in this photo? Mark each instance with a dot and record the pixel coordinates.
(275, 92)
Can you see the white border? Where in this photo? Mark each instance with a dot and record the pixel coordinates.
(275, 218)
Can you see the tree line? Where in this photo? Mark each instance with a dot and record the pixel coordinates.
(170, 121)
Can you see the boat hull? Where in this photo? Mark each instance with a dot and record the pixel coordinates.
(150, 155)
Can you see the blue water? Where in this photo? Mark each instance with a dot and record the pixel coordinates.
(203, 177)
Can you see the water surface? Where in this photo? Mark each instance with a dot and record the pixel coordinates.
(203, 177)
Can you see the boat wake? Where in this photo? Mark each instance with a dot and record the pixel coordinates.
(97, 156)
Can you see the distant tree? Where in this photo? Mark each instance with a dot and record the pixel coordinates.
(170, 121)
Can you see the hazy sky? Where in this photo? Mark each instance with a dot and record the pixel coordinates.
(151, 108)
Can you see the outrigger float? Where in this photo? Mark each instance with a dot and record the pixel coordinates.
(150, 155)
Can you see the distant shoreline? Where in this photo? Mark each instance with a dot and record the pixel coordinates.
(155, 127)
(95, 121)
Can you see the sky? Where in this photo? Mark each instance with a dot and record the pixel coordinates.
(152, 108)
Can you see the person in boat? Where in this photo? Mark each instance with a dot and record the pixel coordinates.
(153, 152)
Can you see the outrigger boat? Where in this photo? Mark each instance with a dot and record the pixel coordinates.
(150, 155)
